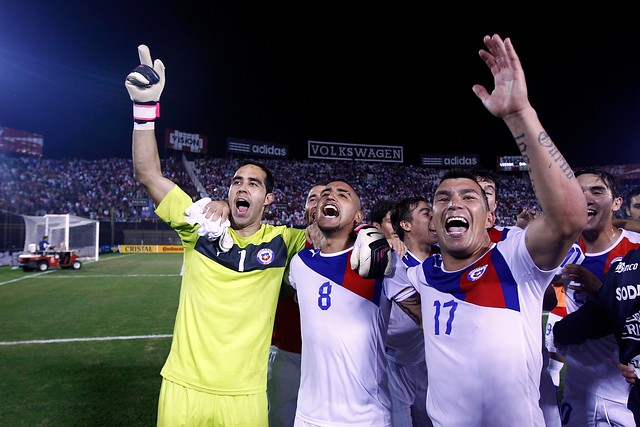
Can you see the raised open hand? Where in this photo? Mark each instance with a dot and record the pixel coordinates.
(509, 94)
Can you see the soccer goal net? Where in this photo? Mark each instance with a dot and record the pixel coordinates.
(66, 232)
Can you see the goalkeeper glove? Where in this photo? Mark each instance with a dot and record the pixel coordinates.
(145, 85)
(371, 255)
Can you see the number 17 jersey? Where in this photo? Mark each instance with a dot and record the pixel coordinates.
(483, 335)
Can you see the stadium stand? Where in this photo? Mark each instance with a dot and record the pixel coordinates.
(105, 190)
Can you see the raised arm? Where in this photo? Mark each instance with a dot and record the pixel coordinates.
(145, 84)
(146, 165)
(550, 236)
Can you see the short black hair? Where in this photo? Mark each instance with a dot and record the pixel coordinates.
(631, 194)
(487, 175)
(464, 174)
(608, 178)
(380, 210)
(458, 173)
(402, 211)
(269, 181)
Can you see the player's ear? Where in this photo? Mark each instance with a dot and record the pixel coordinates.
(617, 204)
(491, 219)
(268, 199)
(359, 217)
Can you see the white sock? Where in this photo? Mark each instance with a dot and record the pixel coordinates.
(555, 366)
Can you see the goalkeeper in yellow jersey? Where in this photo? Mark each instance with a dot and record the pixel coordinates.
(216, 371)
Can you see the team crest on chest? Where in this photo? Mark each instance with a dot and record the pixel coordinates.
(477, 273)
(265, 256)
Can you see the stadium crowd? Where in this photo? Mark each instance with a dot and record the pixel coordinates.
(106, 190)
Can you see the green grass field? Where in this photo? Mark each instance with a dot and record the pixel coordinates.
(85, 347)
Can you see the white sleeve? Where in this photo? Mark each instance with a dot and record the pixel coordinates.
(288, 274)
(397, 285)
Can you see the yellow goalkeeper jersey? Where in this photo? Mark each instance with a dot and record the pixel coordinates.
(224, 322)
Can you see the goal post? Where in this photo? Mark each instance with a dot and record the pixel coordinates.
(75, 233)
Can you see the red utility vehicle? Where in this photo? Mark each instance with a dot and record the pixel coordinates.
(42, 261)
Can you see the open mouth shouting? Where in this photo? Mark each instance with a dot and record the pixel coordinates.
(242, 206)
(330, 211)
(456, 225)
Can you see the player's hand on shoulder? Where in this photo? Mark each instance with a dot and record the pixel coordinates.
(398, 246)
(588, 281)
(217, 209)
(315, 236)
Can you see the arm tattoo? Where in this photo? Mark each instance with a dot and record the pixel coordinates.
(412, 306)
(522, 146)
(544, 140)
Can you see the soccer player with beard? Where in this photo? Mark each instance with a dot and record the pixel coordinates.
(343, 319)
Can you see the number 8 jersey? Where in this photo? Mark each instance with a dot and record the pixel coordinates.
(343, 319)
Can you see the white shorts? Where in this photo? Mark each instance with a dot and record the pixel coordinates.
(408, 389)
(582, 409)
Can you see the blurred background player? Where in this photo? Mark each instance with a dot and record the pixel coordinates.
(380, 217)
(632, 204)
(286, 345)
(606, 312)
(594, 391)
(411, 219)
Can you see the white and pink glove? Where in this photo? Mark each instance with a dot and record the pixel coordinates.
(371, 255)
(145, 84)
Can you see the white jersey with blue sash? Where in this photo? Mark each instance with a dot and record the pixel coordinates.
(483, 335)
(343, 319)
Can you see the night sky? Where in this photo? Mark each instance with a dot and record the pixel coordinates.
(392, 75)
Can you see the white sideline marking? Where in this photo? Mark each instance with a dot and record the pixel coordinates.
(75, 276)
(112, 275)
(134, 337)
(26, 277)
(118, 257)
